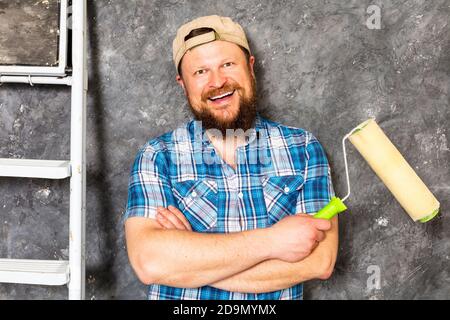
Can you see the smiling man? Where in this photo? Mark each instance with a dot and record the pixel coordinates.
(220, 208)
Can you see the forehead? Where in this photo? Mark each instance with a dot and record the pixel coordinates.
(212, 52)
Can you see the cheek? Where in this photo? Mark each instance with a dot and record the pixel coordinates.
(248, 82)
(195, 99)
(193, 94)
(195, 91)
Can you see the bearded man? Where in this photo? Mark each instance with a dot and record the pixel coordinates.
(220, 208)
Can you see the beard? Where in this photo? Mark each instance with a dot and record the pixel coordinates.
(244, 118)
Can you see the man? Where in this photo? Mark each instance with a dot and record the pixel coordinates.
(214, 215)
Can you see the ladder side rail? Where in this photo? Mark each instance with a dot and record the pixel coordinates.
(77, 153)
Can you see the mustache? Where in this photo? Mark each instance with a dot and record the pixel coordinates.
(219, 91)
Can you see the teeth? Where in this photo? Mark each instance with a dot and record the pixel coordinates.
(222, 96)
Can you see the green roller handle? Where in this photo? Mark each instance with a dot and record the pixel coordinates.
(333, 207)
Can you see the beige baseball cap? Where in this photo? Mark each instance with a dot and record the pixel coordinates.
(224, 29)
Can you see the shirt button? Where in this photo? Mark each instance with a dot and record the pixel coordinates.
(194, 194)
(286, 189)
(240, 195)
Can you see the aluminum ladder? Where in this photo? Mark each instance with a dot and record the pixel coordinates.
(58, 272)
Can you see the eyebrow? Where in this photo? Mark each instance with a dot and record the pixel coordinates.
(228, 59)
(221, 62)
(200, 67)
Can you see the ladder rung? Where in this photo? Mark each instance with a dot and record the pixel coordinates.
(43, 272)
(36, 80)
(26, 168)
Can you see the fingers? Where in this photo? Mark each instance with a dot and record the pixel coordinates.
(169, 220)
(163, 221)
(320, 224)
(320, 236)
(314, 246)
(180, 217)
(303, 215)
(172, 218)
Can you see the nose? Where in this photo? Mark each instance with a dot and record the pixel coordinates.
(217, 79)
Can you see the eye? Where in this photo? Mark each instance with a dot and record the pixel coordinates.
(199, 72)
(228, 64)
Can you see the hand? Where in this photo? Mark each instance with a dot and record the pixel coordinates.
(295, 237)
(172, 218)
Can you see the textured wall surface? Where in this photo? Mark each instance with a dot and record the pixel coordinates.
(319, 67)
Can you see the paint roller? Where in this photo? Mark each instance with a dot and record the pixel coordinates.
(390, 166)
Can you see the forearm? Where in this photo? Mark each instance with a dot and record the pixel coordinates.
(189, 259)
(272, 275)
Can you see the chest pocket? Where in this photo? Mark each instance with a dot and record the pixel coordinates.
(197, 200)
(281, 195)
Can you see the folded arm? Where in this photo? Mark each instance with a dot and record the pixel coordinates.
(274, 274)
(189, 259)
(178, 257)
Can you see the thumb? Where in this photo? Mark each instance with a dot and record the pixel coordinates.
(322, 224)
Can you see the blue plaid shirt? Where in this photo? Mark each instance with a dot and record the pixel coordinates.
(280, 171)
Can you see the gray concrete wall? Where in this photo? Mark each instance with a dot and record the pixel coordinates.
(318, 67)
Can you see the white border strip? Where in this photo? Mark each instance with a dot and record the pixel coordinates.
(62, 54)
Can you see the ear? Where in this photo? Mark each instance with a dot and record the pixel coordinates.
(251, 62)
(181, 82)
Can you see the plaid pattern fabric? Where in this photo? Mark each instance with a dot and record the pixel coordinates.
(280, 171)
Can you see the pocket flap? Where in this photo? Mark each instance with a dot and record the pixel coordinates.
(285, 184)
(195, 187)
(197, 200)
